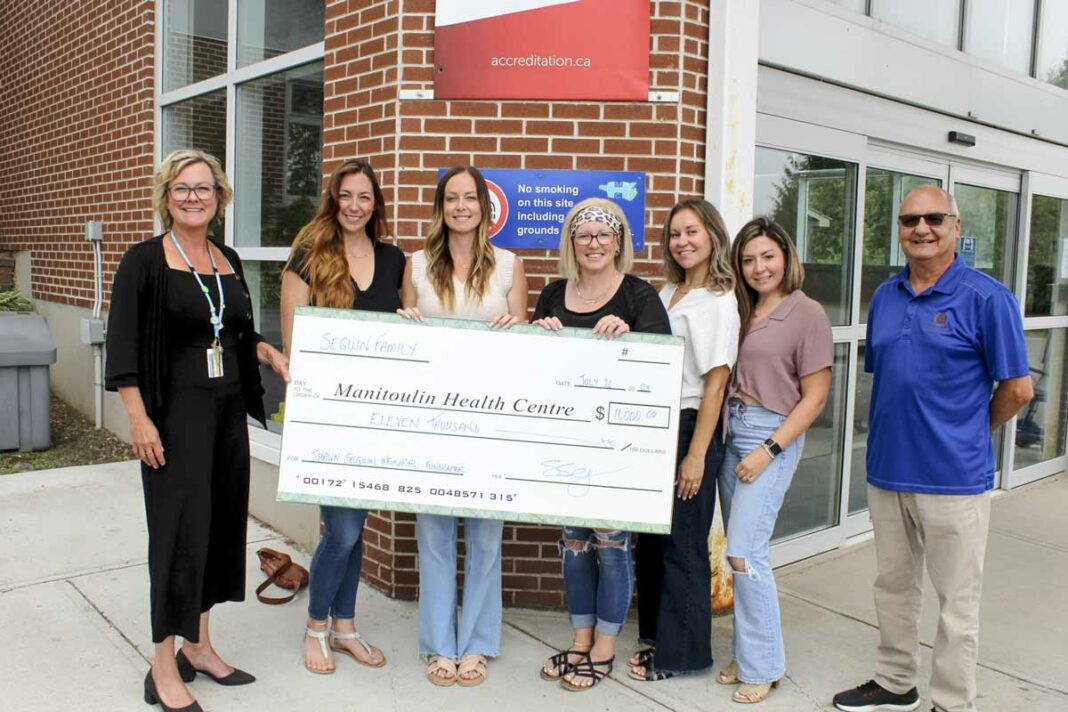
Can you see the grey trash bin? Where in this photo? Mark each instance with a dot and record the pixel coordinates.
(26, 350)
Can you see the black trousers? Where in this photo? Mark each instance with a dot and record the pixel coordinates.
(197, 505)
(674, 578)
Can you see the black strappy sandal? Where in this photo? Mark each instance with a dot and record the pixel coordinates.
(644, 656)
(587, 668)
(562, 665)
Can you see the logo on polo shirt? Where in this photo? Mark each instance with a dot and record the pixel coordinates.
(939, 324)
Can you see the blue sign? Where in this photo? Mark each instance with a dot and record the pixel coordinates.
(966, 248)
(529, 206)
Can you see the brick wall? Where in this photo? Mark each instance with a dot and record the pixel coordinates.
(76, 126)
(376, 47)
(7, 272)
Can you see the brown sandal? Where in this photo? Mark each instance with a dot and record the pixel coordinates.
(748, 693)
(469, 664)
(439, 663)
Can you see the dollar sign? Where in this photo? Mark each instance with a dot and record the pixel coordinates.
(600, 413)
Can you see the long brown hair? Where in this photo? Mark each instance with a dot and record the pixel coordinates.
(720, 278)
(439, 265)
(325, 268)
(793, 272)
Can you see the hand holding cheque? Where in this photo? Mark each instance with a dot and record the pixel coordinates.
(430, 417)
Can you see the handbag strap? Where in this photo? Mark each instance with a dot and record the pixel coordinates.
(275, 601)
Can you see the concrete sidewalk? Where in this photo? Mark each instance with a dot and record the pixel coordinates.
(74, 616)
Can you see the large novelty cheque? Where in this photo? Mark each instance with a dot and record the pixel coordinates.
(450, 417)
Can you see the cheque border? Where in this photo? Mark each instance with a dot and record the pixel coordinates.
(546, 519)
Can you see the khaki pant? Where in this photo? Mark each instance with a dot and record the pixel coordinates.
(950, 531)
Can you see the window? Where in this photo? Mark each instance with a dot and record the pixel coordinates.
(1001, 31)
(988, 229)
(1042, 424)
(813, 198)
(268, 133)
(937, 21)
(1052, 56)
(1047, 258)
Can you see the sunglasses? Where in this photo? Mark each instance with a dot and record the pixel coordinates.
(932, 219)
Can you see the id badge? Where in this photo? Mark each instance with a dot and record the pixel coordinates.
(215, 361)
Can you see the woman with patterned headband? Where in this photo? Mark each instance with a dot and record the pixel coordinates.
(596, 293)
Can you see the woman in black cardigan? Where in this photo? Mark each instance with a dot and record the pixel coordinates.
(182, 352)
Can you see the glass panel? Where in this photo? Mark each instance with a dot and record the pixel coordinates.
(194, 41)
(268, 28)
(1041, 425)
(199, 122)
(811, 504)
(1047, 258)
(279, 152)
(883, 192)
(264, 283)
(1001, 31)
(988, 229)
(860, 6)
(814, 198)
(858, 473)
(938, 21)
(1052, 63)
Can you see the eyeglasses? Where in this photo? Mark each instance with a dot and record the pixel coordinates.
(932, 219)
(182, 192)
(585, 238)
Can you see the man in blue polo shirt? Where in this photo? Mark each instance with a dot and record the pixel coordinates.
(940, 336)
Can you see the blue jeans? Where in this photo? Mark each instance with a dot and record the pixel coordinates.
(479, 630)
(598, 586)
(335, 567)
(749, 513)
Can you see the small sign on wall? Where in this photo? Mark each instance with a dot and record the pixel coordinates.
(529, 206)
(542, 49)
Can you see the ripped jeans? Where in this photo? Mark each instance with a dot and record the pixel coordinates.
(597, 578)
(749, 513)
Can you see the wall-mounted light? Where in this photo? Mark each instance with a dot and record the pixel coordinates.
(959, 137)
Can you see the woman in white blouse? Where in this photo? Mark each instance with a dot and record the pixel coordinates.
(673, 573)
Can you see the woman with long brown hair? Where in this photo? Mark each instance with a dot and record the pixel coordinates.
(341, 259)
(459, 274)
(777, 390)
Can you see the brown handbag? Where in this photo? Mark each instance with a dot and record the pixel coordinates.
(281, 572)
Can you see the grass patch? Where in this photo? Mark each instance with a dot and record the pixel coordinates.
(74, 442)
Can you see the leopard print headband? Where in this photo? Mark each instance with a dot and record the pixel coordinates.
(596, 213)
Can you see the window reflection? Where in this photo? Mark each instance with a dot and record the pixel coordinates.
(264, 283)
(198, 123)
(194, 41)
(858, 473)
(988, 226)
(268, 28)
(1001, 31)
(814, 198)
(1047, 258)
(883, 192)
(1052, 64)
(811, 504)
(938, 21)
(1041, 425)
(279, 129)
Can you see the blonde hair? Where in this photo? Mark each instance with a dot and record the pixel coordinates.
(793, 272)
(439, 266)
(569, 266)
(720, 279)
(176, 162)
(325, 268)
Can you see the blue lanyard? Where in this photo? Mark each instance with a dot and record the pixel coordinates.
(216, 317)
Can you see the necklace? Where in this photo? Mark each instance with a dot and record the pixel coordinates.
(598, 297)
(357, 255)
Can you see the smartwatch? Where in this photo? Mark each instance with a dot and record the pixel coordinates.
(772, 447)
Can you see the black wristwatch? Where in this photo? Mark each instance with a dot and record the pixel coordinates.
(772, 447)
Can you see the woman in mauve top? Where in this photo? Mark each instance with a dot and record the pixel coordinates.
(341, 259)
(673, 576)
(778, 388)
(597, 293)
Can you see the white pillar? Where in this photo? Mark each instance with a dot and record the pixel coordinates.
(730, 144)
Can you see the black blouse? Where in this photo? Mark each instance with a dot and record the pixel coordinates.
(383, 294)
(137, 339)
(635, 302)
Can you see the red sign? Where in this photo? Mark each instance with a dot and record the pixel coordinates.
(498, 207)
(542, 49)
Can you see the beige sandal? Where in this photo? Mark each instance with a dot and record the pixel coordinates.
(729, 674)
(471, 664)
(748, 693)
(439, 663)
(319, 635)
(335, 636)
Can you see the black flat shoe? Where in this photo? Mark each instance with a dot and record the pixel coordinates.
(188, 672)
(152, 698)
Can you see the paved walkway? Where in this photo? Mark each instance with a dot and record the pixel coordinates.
(74, 621)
